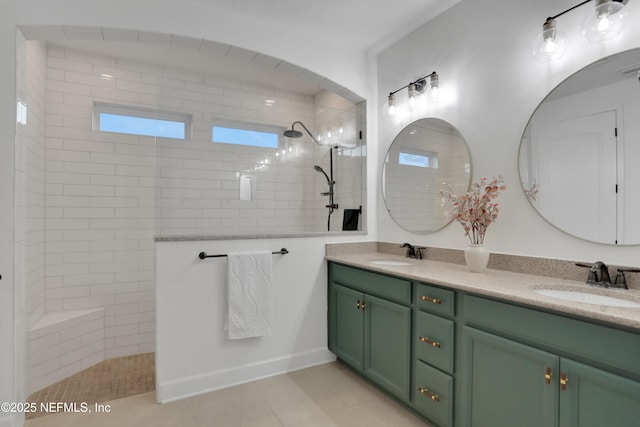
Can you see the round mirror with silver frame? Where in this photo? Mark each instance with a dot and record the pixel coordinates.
(426, 156)
(579, 153)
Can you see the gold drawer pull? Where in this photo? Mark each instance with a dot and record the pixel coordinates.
(430, 395)
(547, 376)
(563, 381)
(426, 340)
(431, 300)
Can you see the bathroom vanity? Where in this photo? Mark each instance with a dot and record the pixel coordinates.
(468, 349)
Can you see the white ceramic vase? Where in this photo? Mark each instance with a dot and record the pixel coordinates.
(476, 257)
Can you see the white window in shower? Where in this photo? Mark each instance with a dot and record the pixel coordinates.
(141, 121)
(249, 134)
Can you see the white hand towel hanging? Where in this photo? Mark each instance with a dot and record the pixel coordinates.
(249, 293)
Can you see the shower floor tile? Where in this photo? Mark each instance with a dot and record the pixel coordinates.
(109, 380)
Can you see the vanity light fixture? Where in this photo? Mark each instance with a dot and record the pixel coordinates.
(415, 90)
(603, 24)
(607, 21)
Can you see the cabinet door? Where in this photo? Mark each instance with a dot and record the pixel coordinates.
(346, 325)
(388, 345)
(507, 384)
(595, 398)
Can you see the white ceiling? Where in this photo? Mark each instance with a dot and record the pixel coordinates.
(367, 26)
(363, 25)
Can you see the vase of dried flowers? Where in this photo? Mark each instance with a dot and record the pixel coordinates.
(475, 211)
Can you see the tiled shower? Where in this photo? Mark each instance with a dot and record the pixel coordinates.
(91, 203)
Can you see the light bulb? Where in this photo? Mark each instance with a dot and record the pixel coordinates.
(549, 45)
(390, 109)
(606, 23)
(413, 95)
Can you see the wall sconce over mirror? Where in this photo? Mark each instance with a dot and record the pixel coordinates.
(416, 96)
(602, 24)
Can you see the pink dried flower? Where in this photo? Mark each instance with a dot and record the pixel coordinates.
(475, 210)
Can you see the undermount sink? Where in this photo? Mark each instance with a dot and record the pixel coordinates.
(389, 262)
(587, 298)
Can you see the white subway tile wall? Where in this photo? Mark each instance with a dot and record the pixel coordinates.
(29, 197)
(90, 203)
(62, 344)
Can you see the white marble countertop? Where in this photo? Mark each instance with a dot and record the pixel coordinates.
(504, 285)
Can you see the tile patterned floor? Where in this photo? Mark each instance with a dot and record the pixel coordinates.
(112, 379)
(327, 395)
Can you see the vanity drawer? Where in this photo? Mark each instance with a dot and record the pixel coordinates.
(435, 300)
(434, 394)
(435, 341)
(611, 348)
(388, 287)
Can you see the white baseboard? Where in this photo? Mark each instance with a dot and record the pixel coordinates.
(209, 381)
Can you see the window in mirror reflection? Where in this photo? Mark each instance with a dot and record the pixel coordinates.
(418, 160)
(424, 155)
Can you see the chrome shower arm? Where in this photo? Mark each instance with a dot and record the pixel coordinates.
(308, 132)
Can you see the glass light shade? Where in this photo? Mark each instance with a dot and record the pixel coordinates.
(605, 23)
(434, 83)
(390, 109)
(550, 44)
(413, 95)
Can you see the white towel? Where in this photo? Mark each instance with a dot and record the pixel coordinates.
(249, 295)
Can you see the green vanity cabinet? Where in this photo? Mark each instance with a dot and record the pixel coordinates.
(507, 386)
(464, 360)
(521, 369)
(434, 349)
(370, 326)
(347, 341)
(592, 397)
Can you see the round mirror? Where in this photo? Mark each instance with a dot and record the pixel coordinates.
(579, 153)
(424, 157)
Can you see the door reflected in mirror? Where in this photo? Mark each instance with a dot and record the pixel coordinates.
(579, 153)
(425, 156)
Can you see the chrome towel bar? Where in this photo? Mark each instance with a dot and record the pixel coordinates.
(203, 255)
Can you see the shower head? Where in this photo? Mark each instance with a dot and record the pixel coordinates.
(319, 169)
(292, 133)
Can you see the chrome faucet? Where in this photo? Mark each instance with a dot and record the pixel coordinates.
(413, 251)
(603, 279)
(598, 274)
(621, 281)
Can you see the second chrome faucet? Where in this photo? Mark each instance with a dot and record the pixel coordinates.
(599, 275)
(413, 251)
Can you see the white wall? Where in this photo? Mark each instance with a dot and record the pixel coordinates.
(193, 352)
(198, 20)
(490, 85)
